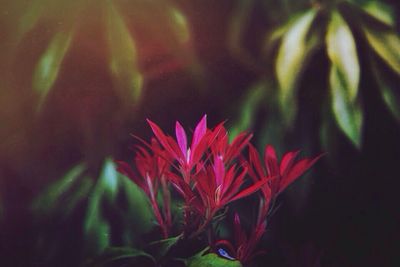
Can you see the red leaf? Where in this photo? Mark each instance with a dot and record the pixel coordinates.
(249, 190)
(255, 161)
(199, 132)
(287, 162)
(271, 161)
(296, 171)
(162, 138)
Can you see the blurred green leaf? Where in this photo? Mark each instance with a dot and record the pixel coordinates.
(211, 260)
(31, 15)
(348, 113)
(109, 176)
(75, 196)
(49, 65)
(240, 18)
(380, 11)
(179, 24)
(96, 227)
(389, 91)
(291, 60)
(132, 207)
(251, 102)
(342, 52)
(138, 211)
(391, 99)
(386, 44)
(123, 61)
(51, 196)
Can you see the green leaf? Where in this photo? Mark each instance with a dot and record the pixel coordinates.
(237, 27)
(96, 228)
(74, 197)
(211, 260)
(163, 246)
(30, 17)
(388, 89)
(138, 213)
(109, 177)
(123, 56)
(342, 52)
(386, 44)
(113, 254)
(290, 60)
(251, 102)
(380, 11)
(179, 24)
(348, 113)
(49, 65)
(47, 200)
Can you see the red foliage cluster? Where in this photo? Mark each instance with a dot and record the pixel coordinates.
(209, 174)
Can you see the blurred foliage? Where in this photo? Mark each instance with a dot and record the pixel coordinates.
(110, 209)
(77, 76)
(339, 27)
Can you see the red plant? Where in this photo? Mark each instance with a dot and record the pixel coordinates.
(209, 174)
(279, 175)
(151, 171)
(275, 177)
(186, 157)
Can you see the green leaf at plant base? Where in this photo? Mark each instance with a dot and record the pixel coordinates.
(109, 176)
(123, 56)
(380, 11)
(290, 60)
(342, 52)
(136, 211)
(163, 246)
(49, 65)
(211, 260)
(114, 254)
(386, 44)
(348, 114)
(96, 227)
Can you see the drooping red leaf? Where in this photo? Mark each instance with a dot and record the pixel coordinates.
(162, 138)
(296, 171)
(249, 190)
(238, 144)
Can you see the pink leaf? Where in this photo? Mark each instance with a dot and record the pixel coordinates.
(199, 132)
(181, 138)
(219, 169)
